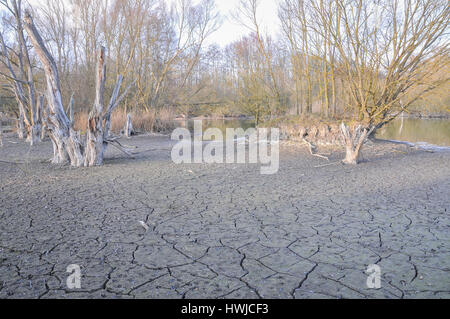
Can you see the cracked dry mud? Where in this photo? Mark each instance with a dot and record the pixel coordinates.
(224, 231)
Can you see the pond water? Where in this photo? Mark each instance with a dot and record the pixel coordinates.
(431, 131)
(220, 124)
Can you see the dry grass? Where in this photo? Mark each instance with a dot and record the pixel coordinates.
(80, 122)
(161, 121)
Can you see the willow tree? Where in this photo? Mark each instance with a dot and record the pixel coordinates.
(388, 55)
(67, 143)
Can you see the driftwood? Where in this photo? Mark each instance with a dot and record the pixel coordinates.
(329, 164)
(312, 149)
(120, 147)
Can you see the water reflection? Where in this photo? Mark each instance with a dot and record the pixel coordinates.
(432, 131)
(220, 124)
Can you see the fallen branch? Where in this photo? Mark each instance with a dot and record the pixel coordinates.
(119, 146)
(123, 146)
(15, 163)
(312, 148)
(324, 165)
(129, 146)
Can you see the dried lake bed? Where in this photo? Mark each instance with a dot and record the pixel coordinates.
(225, 230)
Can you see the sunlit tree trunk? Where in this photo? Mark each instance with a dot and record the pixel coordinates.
(354, 141)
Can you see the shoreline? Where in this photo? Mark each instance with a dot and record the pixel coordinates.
(419, 145)
(249, 118)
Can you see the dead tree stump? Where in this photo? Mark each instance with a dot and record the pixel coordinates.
(128, 129)
(354, 141)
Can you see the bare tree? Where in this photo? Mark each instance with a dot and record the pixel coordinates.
(29, 109)
(297, 27)
(247, 15)
(66, 141)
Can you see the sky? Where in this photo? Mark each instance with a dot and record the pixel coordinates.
(231, 31)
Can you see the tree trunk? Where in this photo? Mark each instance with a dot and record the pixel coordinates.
(35, 133)
(43, 130)
(34, 124)
(94, 139)
(128, 129)
(354, 142)
(64, 144)
(20, 126)
(44, 117)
